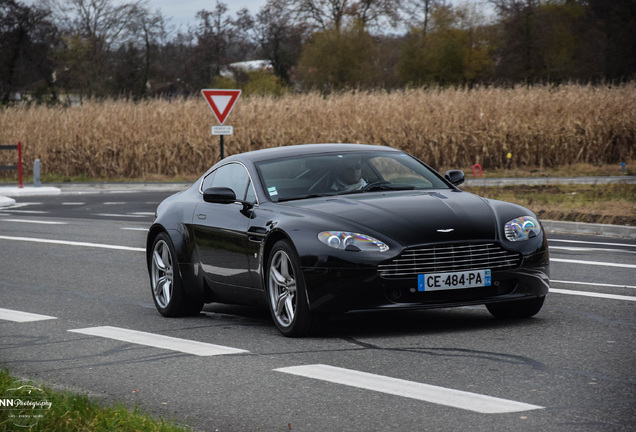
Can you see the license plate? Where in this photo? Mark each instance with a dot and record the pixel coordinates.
(453, 280)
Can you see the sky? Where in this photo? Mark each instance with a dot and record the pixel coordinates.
(182, 12)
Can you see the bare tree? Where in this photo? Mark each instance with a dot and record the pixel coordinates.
(92, 29)
(419, 13)
(213, 34)
(334, 14)
(280, 36)
(26, 37)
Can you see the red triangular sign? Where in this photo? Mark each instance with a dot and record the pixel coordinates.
(221, 102)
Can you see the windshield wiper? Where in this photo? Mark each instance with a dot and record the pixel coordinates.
(316, 195)
(386, 186)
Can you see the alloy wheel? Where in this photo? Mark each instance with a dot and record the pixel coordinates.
(282, 288)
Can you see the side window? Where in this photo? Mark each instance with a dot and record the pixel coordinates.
(207, 182)
(235, 177)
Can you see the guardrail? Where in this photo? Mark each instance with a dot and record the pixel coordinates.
(18, 166)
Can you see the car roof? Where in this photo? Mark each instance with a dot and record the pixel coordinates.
(306, 149)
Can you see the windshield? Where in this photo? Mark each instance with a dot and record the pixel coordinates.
(344, 173)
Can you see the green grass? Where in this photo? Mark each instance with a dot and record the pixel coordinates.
(72, 412)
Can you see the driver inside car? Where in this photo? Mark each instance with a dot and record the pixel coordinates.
(349, 176)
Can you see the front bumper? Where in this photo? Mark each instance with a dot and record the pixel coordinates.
(345, 289)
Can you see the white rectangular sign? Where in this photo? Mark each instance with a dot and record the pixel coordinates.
(222, 130)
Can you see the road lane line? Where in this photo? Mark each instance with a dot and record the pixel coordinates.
(410, 389)
(604, 264)
(593, 294)
(18, 316)
(73, 243)
(119, 215)
(593, 284)
(590, 249)
(35, 222)
(159, 341)
(590, 242)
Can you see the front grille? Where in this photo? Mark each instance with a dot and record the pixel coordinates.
(449, 258)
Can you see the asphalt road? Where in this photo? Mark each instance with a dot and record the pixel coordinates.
(76, 262)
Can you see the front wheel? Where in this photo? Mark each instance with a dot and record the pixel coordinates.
(287, 296)
(516, 309)
(165, 281)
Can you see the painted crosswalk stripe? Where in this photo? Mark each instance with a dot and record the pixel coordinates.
(414, 390)
(18, 316)
(159, 341)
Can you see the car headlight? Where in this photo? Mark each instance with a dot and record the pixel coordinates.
(352, 241)
(522, 228)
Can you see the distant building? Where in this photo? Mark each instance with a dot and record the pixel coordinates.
(246, 66)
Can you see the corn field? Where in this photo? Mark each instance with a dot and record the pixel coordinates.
(541, 127)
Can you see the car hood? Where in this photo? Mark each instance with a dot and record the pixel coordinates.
(413, 217)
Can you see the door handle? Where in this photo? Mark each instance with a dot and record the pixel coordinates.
(201, 216)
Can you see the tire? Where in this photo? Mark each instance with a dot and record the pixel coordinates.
(286, 292)
(516, 309)
(165, 281)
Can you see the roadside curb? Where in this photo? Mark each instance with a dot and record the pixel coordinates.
(6, 193)
(605, 230)
(560, 227)
(6, 201)
(537, 181)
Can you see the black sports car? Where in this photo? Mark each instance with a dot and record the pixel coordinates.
(320, 229)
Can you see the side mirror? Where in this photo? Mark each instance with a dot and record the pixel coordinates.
(219, 195)
(456, 177)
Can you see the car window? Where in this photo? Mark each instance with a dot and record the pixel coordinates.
(235, 177)
(347, 172)
(396, 171)
(207, 181)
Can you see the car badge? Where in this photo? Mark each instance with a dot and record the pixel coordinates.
(447, 230)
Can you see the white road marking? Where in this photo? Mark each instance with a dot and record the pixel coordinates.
(73, 243)
(134, 229)
(35, 222)
(119, 215)
(14, 210)
(590, 249)
(593, 294)
(18, 316)
(410, 389)
(144, 213)
(159, 341)
(114, 203)
(590, 242)
(593, 284)
(598, 263)
(73, 203)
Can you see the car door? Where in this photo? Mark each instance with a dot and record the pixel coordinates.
(220, 230)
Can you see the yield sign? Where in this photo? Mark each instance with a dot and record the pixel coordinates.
(221, 102)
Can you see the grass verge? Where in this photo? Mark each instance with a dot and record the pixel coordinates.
(43, 409)
(593, 203)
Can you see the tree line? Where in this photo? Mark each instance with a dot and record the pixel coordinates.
(102, 48)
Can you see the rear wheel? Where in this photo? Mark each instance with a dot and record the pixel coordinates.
(165, 281)
(287, 296)
(516, 309)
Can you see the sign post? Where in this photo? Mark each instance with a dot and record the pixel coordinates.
(221, 102)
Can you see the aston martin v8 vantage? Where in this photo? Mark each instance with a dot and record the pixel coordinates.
(322, 229)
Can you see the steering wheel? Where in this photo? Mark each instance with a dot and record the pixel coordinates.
(375, 184)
